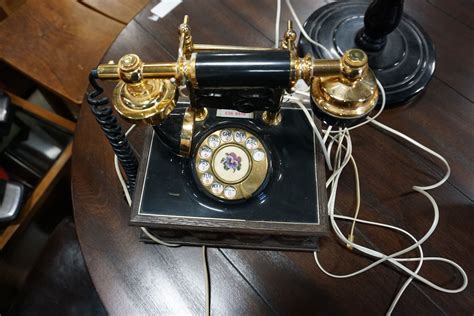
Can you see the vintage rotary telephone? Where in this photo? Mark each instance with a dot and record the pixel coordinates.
(225, 143)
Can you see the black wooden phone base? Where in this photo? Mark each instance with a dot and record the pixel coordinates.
(288, 213)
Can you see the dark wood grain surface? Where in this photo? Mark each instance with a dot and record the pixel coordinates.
(119, 10)
(134, 278)
(57, 49)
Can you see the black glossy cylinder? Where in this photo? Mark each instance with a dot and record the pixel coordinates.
(381, 18)
(243, 69)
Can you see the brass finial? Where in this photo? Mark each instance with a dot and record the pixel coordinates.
(130, 68)
(289, 39)
(354, 64)
(272, 118)
(186, 40)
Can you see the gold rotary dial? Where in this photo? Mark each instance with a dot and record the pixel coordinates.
(231, 164)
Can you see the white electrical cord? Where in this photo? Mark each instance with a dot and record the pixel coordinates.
(277, 25)
(315, 129)
(405, 285)
(343, 155)
(322, 141)
(205, 265)
(302, 30)
(340, 161)
(159, 241)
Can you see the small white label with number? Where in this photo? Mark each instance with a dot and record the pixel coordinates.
(233, 113)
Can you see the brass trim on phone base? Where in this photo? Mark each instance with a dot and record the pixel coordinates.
(187, 131)
(272, 118)
(201, 114)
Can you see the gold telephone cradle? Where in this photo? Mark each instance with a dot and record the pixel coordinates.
(342, 90)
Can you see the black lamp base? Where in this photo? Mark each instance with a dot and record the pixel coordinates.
(405, 64)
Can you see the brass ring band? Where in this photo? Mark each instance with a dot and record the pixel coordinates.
(187, 130)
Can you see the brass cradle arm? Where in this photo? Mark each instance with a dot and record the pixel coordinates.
(343, 89)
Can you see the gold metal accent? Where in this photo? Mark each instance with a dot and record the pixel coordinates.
(350, 237)
(160, 70)
(289, 38)
(294, 68)
(185, 39)
(300, 68)
(130, 68)
(354, 64)
(201, 114)
(254, 178)
(150, 100)
(326, 67)
(181, 65)
(355, 57)
(350, 95)
(154, 71)
(108, 71)
(187, 131)
(289, 43)
(272, 118)
(306, 68)
(190, 70)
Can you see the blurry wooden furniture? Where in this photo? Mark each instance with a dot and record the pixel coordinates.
(10, 6)
(119, 10)
(42, 190)
(56, 43)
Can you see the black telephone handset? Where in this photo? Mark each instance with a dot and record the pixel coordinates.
(220, 108)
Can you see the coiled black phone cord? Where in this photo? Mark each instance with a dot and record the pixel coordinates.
(112, 130)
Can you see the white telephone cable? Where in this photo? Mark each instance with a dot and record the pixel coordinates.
(420, 189)
(277, 24)
(333, 181)
(302, 30)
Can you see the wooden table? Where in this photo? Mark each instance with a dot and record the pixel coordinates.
(135, 278)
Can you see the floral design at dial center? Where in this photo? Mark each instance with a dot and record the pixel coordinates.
(232, 162)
